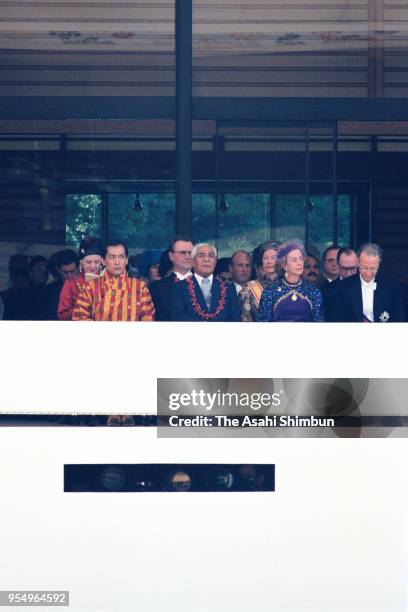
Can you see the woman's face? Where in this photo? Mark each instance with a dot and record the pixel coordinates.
(294, 263)
(91, 264)
(269, 261)
(153, 273)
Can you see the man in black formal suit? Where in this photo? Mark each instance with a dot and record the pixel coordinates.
(368, 297)
(179, 253)
(204, 296)
(347, 260)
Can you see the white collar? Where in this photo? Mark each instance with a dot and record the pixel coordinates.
(182, 276)
(371, 285)
(201, 278)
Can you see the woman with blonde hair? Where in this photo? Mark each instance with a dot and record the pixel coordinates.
(90, 258)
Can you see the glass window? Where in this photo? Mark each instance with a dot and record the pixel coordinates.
(143, 221)
(83, 217)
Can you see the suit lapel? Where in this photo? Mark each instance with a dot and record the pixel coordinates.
(199, 294)
(380, 297)
(356, 298)
(215, 294)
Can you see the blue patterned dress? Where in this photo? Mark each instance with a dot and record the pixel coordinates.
(297, 302)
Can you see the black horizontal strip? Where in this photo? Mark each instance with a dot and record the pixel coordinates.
(168, 478)
(79, 420)
(74, 420)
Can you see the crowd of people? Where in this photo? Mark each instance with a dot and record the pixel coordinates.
(187, 282)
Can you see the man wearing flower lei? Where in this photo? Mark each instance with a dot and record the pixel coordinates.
(204, 296)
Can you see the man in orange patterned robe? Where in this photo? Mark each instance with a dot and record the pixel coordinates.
(114, 296)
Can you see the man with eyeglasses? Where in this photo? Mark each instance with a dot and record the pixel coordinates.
(347, 262)
(368, 297)
(179, 254)
(204, 296)
(114, 296)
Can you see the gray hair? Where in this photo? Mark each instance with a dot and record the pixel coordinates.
(200, 245)
(286, 248)
(371, 249)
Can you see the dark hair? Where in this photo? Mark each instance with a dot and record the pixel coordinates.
(165, 265)
(345, 251)
(222, 265)
(329, 248)
(314, 256)
(178, 238)
(113, 242)
(52, 264)
(18, 264)
(66, 257)
(90, 246)
(37, 259)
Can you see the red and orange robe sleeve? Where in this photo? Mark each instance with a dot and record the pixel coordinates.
(107, 299)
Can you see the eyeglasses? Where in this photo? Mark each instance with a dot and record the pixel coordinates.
(368, 269)
(352, 269)
(184, 253)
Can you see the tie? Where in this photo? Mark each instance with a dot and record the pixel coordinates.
(206, 289)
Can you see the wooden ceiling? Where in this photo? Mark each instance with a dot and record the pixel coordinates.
(335, 48)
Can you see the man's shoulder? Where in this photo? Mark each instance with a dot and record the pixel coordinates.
(352, 282)
(139, 283)
(162, 283)
(311, 289)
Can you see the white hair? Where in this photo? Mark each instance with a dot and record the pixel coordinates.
(200, 245)
(371, 249)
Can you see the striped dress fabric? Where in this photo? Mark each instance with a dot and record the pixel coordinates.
(110, 298)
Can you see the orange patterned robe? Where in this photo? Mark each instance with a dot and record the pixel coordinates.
(114, 299)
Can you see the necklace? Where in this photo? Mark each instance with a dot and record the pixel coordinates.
(292, 285)
(197, 308)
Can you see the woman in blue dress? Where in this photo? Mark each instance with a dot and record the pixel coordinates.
(290, 298)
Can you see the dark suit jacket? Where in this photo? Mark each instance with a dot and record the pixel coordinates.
(182, 307)
(330, 295)
(387, 300)
(161, 292)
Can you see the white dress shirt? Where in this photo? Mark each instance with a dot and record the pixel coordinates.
(200, 278)
(367, 292)
(182, 276)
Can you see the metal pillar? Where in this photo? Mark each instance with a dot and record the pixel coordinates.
(184, 63)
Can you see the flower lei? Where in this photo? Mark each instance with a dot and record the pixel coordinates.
(197, 308)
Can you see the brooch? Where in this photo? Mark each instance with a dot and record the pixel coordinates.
(384, 316)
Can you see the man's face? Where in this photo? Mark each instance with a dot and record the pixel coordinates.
(38, 273)
(331, 267)
(240, 268)
(311, 272)
(368, 266)
(115, 260)
(68, 270)
(204, 261)
(180, 256)
(348, 265)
